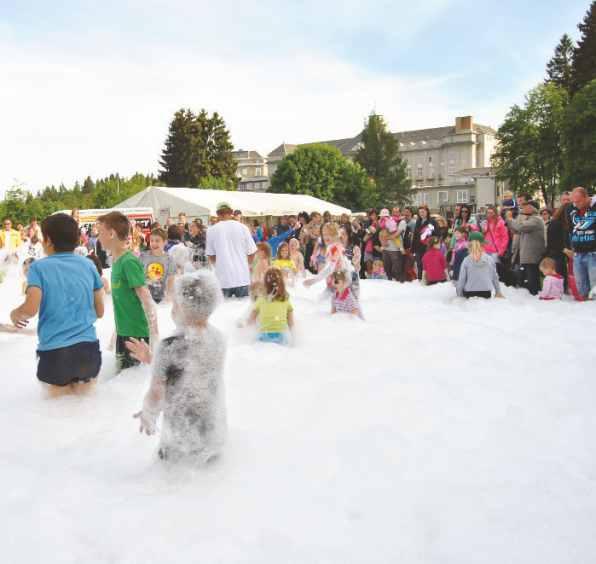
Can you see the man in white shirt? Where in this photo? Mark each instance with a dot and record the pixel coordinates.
(230, 248)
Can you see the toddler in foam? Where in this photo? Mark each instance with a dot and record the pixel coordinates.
(187, 382)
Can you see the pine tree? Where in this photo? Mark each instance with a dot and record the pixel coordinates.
(176, 156)
(559, 68)
(88, 185)
(584, 55)
(379, 156)
(219, 149)
(198, 147)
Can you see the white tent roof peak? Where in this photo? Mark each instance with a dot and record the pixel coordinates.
(199, 202)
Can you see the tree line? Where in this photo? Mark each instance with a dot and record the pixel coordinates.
(548, 144)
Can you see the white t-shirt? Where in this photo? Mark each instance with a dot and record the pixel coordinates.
(230, 242)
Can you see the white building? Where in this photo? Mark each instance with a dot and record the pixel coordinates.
(447, 165)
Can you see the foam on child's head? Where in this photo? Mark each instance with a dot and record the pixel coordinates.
(198, 293)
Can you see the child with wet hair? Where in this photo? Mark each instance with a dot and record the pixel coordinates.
(335, 260)
(187, 383)
(274, 311)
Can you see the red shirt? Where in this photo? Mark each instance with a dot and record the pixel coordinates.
(434, 264)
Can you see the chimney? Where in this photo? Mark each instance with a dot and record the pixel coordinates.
(463, 124)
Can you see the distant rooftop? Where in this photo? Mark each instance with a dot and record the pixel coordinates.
(349, 144)
(246, 155)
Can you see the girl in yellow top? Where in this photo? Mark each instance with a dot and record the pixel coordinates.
(273, 312)
(283, 260)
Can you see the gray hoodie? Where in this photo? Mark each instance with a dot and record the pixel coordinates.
(478, 276)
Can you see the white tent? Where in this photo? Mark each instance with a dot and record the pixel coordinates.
(169, 202)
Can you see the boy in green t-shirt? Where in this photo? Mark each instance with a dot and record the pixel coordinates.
(134, 311)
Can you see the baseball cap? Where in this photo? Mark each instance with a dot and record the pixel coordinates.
(476, 236)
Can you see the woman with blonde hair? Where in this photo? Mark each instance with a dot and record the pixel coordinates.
(478, 273)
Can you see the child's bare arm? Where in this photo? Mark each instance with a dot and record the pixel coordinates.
(98, 303)
(291, 320)
(152, 406)
(28, 309)
(149, 308)
(252, 319)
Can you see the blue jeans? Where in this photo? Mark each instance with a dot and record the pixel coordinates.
(239, 292)
(584, 269)
(278, 338)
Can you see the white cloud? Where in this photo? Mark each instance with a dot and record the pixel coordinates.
(66, 115)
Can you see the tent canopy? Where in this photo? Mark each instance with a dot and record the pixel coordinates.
(169, 202)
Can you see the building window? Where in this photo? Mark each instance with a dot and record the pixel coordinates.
(430, 159)
(419, 171)
(409, 172)
(257, 172)
(462, 197)
(443, 197)
(244, 172)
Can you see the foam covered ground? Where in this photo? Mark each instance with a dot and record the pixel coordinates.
(437, 431)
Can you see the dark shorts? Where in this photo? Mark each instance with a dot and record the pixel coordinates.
(77, 363)
(238, 292)
(123, 357)
(486, 295)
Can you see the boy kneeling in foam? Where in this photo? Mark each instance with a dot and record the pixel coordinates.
(187, 383)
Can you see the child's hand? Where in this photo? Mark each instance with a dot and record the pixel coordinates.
(146, 424)
(308, 283)
(139, 349)
(499, 295)
(18, 320)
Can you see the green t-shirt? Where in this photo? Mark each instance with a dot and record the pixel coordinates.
(272, 315)
(127, 274)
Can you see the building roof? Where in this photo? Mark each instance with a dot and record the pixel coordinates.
(347, 145)
(248, 155)
(344, 145)
(283, 150)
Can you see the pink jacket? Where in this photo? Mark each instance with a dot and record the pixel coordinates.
(552, 288)
(496, 236)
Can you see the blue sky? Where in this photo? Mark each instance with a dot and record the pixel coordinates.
(89, 87)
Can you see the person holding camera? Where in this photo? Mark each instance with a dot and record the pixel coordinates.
(531, 246)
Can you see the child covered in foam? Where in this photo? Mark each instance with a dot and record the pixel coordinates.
(187, 383)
